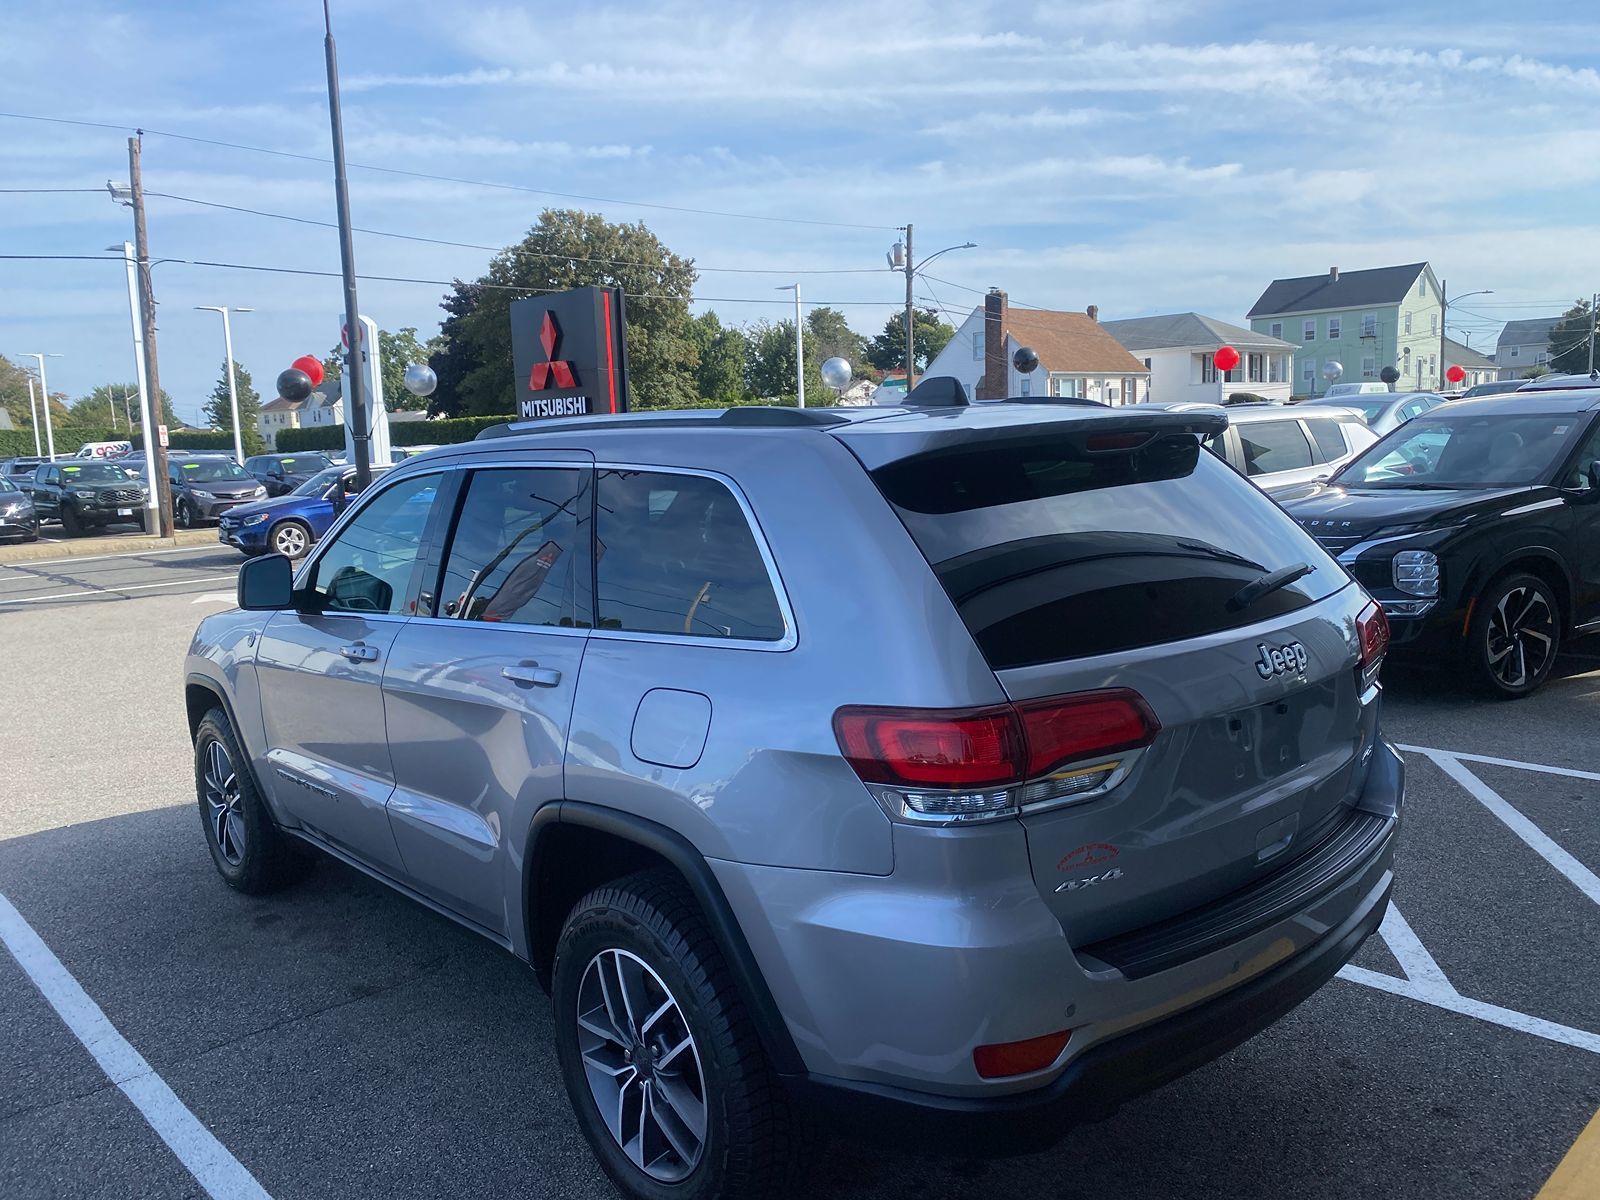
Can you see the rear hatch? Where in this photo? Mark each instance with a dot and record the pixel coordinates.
(1106, 551)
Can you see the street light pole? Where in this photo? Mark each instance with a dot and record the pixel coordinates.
(33, 411)
(233, 390)
(1444, 312)
(912, 269)
(44, 390)
(799, 346)
(152, 521)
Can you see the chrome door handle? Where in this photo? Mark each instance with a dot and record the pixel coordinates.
(533, 674)
(359, 652)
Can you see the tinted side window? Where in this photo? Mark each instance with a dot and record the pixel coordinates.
(677, 556)
(368, 568)
(1329, 439)
(519, 551)
(1274, 446)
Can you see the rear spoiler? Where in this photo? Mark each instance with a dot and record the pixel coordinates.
(878, 443)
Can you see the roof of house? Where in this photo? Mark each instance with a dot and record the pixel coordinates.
(283, 405)
(1188, 329)
(1465, 356)
(1351, 289)
(1072, 342)
(1528, 332)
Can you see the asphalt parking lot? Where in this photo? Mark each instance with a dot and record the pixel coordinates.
(338, 1041)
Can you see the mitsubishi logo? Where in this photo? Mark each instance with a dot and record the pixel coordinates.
(539, 379)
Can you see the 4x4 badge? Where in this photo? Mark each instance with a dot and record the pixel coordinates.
(1277, 660)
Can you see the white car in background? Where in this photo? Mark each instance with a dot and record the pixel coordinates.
(1279, 446)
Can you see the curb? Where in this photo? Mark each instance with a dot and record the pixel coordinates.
(87, 547)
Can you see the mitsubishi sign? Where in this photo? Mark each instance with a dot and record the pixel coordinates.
(569, 354)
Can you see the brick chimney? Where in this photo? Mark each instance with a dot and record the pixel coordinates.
(1333, 274)
(1094, 313)
(996, 381)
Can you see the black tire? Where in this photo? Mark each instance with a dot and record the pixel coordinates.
(755, 1140)
(253, 855)
(286, 531)
(71, 526)
(184, 515)
(1513, 637)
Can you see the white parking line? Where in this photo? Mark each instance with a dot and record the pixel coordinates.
(222, 1175)
(1515, 764)
(1420, 966)
(1575, 872)
(113, 591)
(45, 562)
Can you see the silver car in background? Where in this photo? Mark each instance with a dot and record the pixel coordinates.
(951, 774)
(1389, 410)
(1278, 446)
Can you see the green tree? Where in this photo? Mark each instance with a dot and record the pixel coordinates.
(721, 349)
(929, 335)
(120, 398)
(569, 249)
(395, 352)
(834, 338)
(1569, 340)
(449, 353)
(218, 410)
(14, 396)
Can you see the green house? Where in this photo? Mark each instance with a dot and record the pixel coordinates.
(1362, 320)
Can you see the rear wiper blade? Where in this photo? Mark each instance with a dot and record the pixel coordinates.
(1218, 552)
(1267, 584)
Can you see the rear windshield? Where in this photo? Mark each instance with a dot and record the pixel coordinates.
(1053, 552)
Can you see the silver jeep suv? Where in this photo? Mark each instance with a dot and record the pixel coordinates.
(950, 773)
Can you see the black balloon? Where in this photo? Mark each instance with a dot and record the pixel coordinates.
(1026, 359)
(1389, 375)
(294, 384)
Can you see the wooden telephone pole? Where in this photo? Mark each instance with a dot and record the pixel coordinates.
(160, 485)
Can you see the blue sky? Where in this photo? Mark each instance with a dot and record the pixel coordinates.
(1145, 157)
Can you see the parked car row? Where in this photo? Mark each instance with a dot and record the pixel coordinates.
(18, 520)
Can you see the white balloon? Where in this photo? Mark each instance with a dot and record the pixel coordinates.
(836, 374)
(420, 379)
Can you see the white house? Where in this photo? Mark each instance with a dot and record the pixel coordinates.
(1479, 368)
(1178, 350)
(1524, 346)
(323, 407)
(1077, 357)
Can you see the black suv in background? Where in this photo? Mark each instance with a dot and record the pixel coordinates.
(204, 486)
(85, 494)
(19, 469)
(17, 519)
(280, 474)
(1477, 527)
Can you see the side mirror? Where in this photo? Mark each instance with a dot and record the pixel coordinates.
(266, 584)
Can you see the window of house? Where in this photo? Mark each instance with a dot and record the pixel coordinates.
(1516, 351)
(676, 556)
(1369, 324)
(1113, 395)
(1308, 331)
(1422, 285)
(1277, 329)
(1147, 364)
(1369, 366)
(1433, 322)
(1335, 328)
(1208, 369)
(1027, 386)
(1408, 322)
(1308, 370)
(519, 554)
(1255, 367)
(1542, 358)
(1276, 371)
(977, 346)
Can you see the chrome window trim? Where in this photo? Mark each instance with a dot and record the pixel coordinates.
(790, 638)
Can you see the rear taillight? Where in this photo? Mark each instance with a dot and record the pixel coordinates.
(968, 764)
(1372, 630)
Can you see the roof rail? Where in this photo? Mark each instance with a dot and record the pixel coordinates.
(748, 416)
(1081, 401)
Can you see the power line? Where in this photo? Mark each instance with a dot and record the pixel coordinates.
(47, 191)
(511, 250)
(483, 183)
(503, 287)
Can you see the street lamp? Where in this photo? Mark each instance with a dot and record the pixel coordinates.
(900, 259)
(150, 418)
(799, 346)
(233, 391)
(44, 388)
(1444, 313)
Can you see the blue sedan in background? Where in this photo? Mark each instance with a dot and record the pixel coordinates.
(290, 525)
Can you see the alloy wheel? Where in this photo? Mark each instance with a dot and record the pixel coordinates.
(185, 515)
(289, 540)
(642, 1065)
(1521, 636)
(223, 804)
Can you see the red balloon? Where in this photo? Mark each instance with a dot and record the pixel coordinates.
(311, 366)
(1456, 373)
(1227, 358)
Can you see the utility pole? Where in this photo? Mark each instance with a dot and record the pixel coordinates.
(911, 345)
(156, 452)
(353, 380)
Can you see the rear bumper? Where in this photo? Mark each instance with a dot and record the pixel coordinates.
(1098, 1082)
